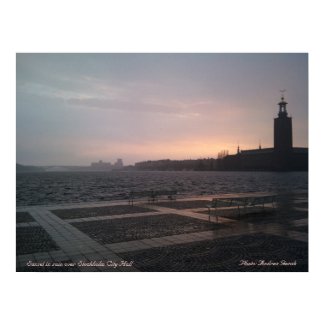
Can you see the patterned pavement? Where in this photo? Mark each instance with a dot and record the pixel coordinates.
(162, 236)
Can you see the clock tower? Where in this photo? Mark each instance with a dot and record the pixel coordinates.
(283, 129)
(282, 138)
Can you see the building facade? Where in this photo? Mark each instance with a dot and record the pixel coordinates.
(282, 157)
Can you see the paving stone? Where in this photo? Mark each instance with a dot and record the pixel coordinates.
(24, 217)
(33, 240)
(183, 204)
(128, 229)
(167, 236)
(225, 255)
(99, 211)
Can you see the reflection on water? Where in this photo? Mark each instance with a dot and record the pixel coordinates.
(64, 187)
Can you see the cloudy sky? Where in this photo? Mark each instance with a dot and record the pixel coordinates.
(73, 109)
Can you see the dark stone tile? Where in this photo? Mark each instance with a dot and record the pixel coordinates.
(24, 217)
(33, 240)
(224, 255)
(99, 211)
(183, 204)
(284, 217)
(127, 229)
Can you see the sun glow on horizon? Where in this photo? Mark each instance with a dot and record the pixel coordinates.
(74, 109)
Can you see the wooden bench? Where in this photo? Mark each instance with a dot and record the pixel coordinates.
(240, 202)
(152, 195)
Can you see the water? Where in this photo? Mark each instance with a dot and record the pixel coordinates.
(67, 187)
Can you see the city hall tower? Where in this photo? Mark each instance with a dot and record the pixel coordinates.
(283, 130)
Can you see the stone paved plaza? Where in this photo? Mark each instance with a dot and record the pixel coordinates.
(162, 236)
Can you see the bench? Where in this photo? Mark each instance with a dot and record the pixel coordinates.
(241, 202)
(152, 195)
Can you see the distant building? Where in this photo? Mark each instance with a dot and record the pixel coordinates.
(106, 166)
(282, 157)
(100, 165)
(118, 164)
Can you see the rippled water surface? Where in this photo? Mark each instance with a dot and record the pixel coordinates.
(64, 187)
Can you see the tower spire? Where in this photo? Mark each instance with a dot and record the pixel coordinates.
(282, 91)
(282, 128)
(282, 105)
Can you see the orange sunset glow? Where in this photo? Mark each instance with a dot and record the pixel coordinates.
(74, 108)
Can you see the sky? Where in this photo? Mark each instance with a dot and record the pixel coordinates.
(73, 109)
